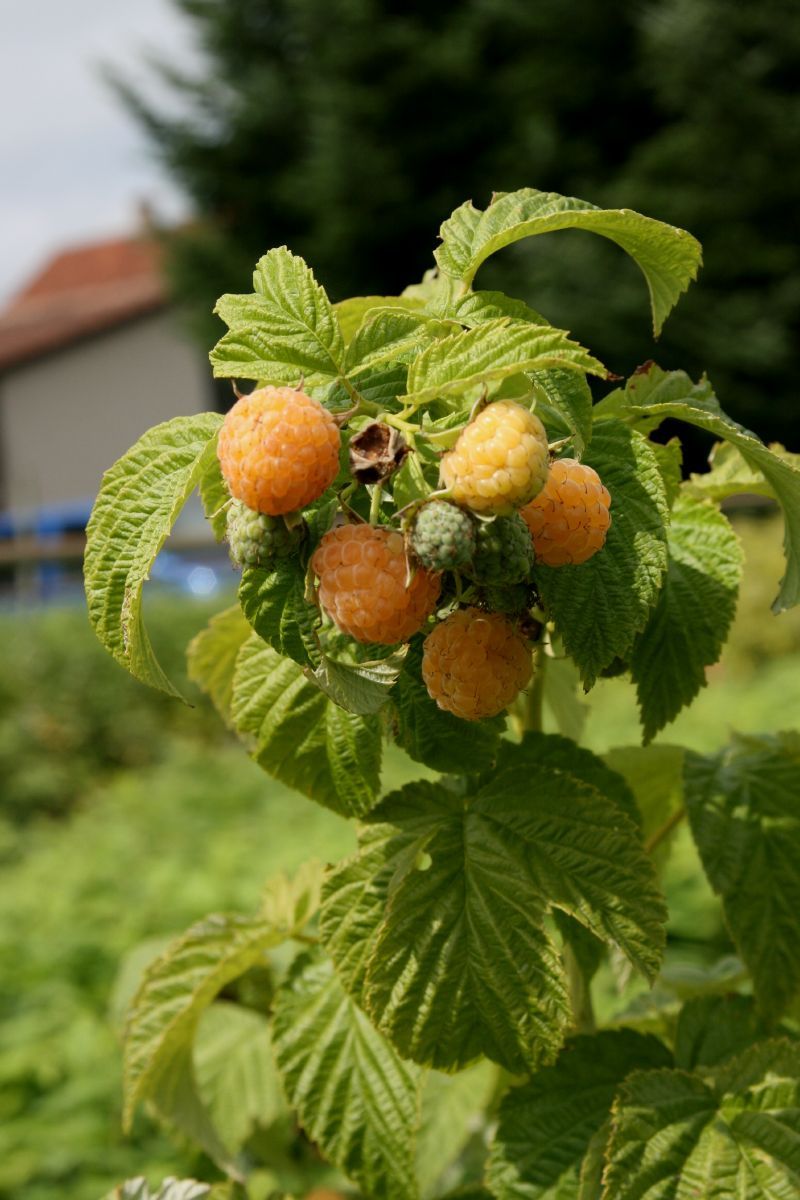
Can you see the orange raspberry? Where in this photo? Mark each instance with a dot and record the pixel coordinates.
(500, 460)
(362, 584)
(569, 519)
(278, 449)
(475, 663)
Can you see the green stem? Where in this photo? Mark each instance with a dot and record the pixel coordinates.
(666, 829)
(398, 423)
(375, 503)
(366, 406)
(534, 707)
(444, 440)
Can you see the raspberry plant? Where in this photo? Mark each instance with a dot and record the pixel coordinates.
(428, 1001)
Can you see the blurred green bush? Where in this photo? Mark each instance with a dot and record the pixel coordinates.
(69, 715)
(143, 857)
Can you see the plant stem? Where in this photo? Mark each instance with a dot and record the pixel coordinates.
(307, 939)
(535, 701)
(666, 829)
(364, 405)
(375, 503)
(398, 423)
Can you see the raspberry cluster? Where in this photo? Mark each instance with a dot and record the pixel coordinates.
(458, 567)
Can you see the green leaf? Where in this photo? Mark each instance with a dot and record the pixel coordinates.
(173, 994)
(215, 498)
(600, 606)
(686, 979)
(390, 335)
(669, 456)
(454, 365)
(655, 776)
(381, 385)
(731, 474)
(438, 923)
(274, 603)
(712, 1029)
(211, 657)
(695, 609)
(433, 290)
(546, 1125)
(472, 1191)
(235, 1072)
(590, 1181)
(455, 969)
(569, 394)
(353, 1095)
(285, 329)
(668, 258)
(170, 1189)
(452, 1107)
(290, 902)
(353, 312)
(652, 395)
(300, 736)
(745, 819)
(361, 688)
(136, 507)
(318, 519)
(475, 308)
(735, 1134)
(409, 483)
(432, 736)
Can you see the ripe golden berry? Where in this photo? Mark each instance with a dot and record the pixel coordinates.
(278, 450)
(362, 573)
(500, 460)
(475, 663)
(569, 519)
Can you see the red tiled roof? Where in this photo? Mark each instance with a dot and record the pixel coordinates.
(80, 292)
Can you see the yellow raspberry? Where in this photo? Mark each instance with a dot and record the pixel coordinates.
(500, 460)
(362, 574)
(569, 519)
(278, 449)
(475, 663)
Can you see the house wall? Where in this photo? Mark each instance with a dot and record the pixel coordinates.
(65, 418)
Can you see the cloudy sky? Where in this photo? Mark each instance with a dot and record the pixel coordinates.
(73, 165)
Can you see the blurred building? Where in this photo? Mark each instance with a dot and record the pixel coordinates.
(91, 355)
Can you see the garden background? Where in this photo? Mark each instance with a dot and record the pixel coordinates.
(349, 129)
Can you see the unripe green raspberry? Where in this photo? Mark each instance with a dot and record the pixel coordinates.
(503, 553)
(443, 536)
(256, 540)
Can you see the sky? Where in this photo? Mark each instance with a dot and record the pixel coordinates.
(73, 165)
